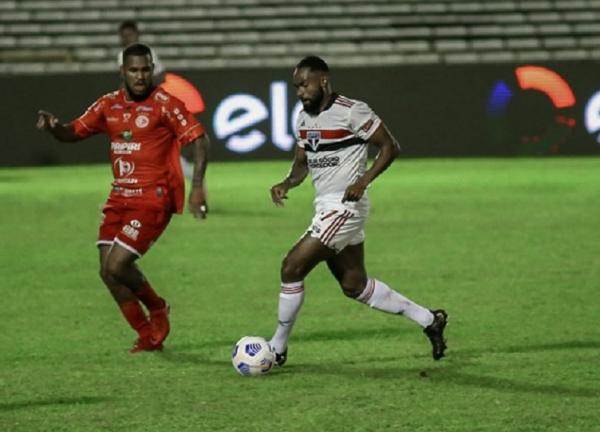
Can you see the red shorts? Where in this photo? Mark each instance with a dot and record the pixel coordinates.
(134, 227)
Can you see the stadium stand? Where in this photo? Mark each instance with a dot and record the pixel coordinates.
(77, 35)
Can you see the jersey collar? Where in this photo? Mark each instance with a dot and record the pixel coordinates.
(129, 101)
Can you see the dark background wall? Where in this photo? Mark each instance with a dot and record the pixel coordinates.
(432, 110)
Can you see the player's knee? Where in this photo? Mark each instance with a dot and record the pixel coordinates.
(104, 275)
(353, 285)
(113, 269)
(351, 291)
(292, 270)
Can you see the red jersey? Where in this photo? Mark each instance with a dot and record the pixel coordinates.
(145, 143)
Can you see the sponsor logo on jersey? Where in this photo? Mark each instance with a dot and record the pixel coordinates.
(367, 126)
(144, 108)
(116, 106)
(126, 192)
(125, 147)
(162, 97)
(130, 232)
(127, 135)
(124, 168)
(95, 107)
(142, 121)
(135, 223)
(112, 119)
(324, 162)
(313, 137)
(126, 117)
(126, 181)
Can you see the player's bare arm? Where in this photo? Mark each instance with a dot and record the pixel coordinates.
(297, 174)
(197, 198)
(389, 149)
(49, 122)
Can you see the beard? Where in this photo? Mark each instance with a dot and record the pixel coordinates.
(313, 105)
(138, 97)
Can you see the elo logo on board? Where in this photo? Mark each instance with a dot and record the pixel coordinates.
(241, 111)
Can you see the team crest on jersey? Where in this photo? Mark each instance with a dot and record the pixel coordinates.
(142, 121)
(124, 167)
(313, 137)
(127, 135)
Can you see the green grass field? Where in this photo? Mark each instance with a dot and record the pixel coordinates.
(511, 248)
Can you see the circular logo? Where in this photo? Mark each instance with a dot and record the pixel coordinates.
(522, 121)
(142, 121)
(135, 223)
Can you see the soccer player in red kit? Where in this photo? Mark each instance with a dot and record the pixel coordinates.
(147, 128)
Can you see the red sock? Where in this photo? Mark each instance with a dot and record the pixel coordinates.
(149, 297)
(135, 316)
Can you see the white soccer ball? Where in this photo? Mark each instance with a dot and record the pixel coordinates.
(252, 356)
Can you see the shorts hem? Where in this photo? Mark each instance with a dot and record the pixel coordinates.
(126, 246)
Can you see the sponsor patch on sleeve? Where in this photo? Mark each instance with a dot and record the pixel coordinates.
(367, 126)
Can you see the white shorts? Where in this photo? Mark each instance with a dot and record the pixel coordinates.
(338, 227)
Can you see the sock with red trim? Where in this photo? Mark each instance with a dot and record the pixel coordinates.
(381, 297)
(291, 298)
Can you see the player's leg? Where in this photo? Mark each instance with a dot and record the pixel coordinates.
(121, 267)
(349, 269)
(128, 303)
(141, 228)
(299, 261)
(120, 292)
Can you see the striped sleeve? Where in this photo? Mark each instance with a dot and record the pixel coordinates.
(363, 121)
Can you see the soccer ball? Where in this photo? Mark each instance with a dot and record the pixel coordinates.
(252, 355)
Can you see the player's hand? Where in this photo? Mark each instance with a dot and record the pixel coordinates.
(354, 192)
(279, 193)
(197, 202)
(46, 120)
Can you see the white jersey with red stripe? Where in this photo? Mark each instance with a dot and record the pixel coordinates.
(335, 142)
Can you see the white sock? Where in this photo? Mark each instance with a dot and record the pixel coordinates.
(380, 296)
(290, 302)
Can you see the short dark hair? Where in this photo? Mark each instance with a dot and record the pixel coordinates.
(314, 63)
(128, 24)
(136, 49)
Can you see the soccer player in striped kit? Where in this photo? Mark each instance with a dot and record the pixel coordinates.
(333, 135)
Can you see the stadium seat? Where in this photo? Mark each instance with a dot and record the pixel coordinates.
(231, 33)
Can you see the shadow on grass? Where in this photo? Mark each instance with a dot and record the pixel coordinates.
(12, 178)
(447, 375)
(448, 371)
(452, 374)
(533, 348)
(197, 353)
(318, 336)
(83, 400)
(175, 355)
